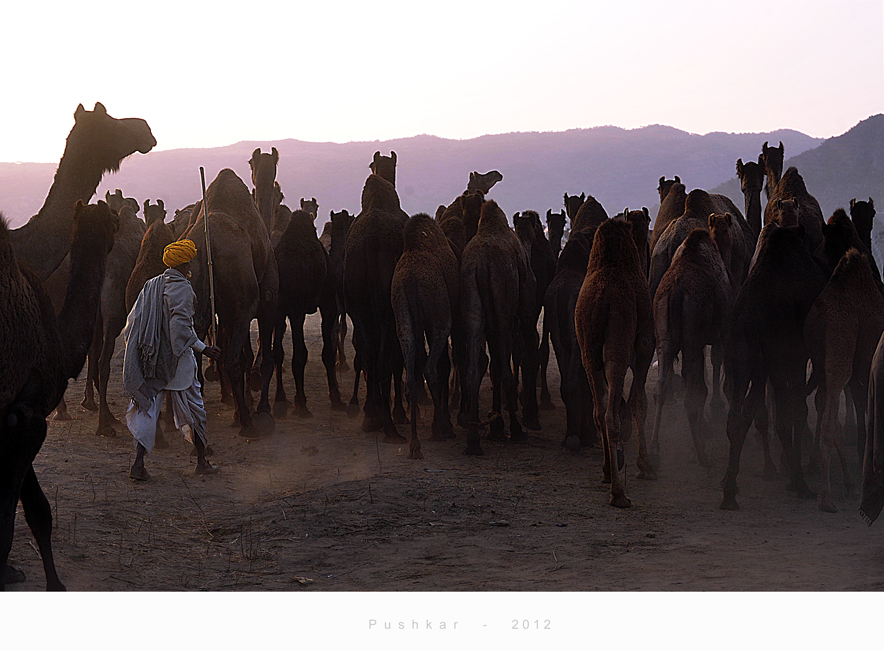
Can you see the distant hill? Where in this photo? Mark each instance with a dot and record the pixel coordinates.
(849, 166)
(619, 167)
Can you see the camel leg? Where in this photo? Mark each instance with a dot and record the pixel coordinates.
(743, 407)
(663, 381)
(38, 514)
(408, 342)
(478, 362)
(107, 423)
(529, 366)
(436, 371)
(830, 430)
(280, 400)
(397, 370)
(693, 371)
(266, 321)
(789, 410)
(390, 368)
(716, 403)
(92, 357)
(236, 373)
(353, 406)
(546, 403)
(615, 374)
(61, 411)
(329, 316)
(299, 363)
(638, 403)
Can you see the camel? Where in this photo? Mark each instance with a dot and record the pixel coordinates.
(112, 312)
(263, 166)
(810, 216)
(664, 185)
(590, 215)
(424, 293)
(765, 342)
(97, 144)
(872, 500)
(460, 220)
(555, 230)
(572, 205)
(385, 167)
(303, 267)
(483, 182)
(771, 160)
(559, 305)
(640, 221)
(310, 206)
(671, 208)
(39, 353)
(751, 175)
(691, 307)
(862, 213)
(371, 251)
(543, 265)
(615, 331)
(699, 204)
(842, 330)
(497, 292)
(246, 286)
(839, 236)
(336, 229)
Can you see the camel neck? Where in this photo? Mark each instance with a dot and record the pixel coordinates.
(753, 211)
(44, 241)
(80, 309)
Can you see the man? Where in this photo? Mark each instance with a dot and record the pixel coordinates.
(159, 359)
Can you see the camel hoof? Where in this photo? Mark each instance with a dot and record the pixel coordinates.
(89, 404)
(303, 412)
(280, 409)
(654, 461)
(264, 423)
(393, 439)
(13, 576)
(415, 454)
(249, 432)
(546, 405)
(371, 424)
(533, 424)
(399, 417)
(62, 416)
(352, 410)
(442, 432)
(338, 406)
(620, 501)
(646, 474)
(729, 503)
(826, 505)
(572, 443)
(107, 431)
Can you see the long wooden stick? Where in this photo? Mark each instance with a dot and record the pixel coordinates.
(209, 257)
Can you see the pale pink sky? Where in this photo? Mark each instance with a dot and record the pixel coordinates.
(207, 74)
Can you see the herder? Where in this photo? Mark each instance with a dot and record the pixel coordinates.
(160, 346)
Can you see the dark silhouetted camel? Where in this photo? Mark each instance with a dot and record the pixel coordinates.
(751, 175)
(483, 182)
(425, 294)
(771, 159)
(97, 144)
(615, 330)
(39, 353)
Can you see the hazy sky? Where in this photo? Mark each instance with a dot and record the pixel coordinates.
(207, 74)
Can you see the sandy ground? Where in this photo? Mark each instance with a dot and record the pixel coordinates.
(322, 506)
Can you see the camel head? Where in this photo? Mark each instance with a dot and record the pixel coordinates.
(751, 175)
(97, 225)
(572, 205)
(839, 234)
(663, 186)
(786, 212)
(772, 158)
(863, 215)
(524, 227)
(107, 141)
(384, 166)
(555, 222)
(117, 202)
(154, 213)
(263, 166)
(310, 206)
(340, 224)
(484, 182)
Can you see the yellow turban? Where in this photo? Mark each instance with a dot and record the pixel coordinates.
(179, 252)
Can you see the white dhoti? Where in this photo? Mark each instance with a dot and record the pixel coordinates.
(187, 408)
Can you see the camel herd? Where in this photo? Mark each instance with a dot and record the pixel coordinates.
(435, 302)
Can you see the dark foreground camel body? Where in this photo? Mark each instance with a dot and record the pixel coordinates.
(246, 287)
(842, 331)
(691, 307)
(766, 343)
(425, 294)
(615, 330)
(497, 292)
(39, 353)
